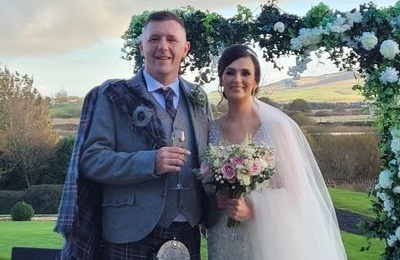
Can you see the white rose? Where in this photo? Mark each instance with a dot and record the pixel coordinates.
(389, 75)
(354, 17)
(389, 49)
(368, 40)
(395, 145)
(385, 179)
(388, 206)
(339, 25)
(279, 26)
(396, 189)
(391, 240)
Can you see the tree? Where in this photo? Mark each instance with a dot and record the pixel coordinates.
(27, 140)
(61, 96)
(59, 164)
(299, 105)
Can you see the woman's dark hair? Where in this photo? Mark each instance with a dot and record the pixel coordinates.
(235, 52)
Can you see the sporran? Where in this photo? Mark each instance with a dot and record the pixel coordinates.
(172, 250)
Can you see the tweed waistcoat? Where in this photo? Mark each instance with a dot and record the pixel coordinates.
(188, 200)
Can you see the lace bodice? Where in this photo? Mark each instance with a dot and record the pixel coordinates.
(223, 242)
(215, 135)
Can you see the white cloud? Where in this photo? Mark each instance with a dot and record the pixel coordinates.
(56, 26)
(75, 44)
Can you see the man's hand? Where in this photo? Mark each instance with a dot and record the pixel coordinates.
(170, 159)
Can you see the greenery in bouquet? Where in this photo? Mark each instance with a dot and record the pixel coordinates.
(236, 169)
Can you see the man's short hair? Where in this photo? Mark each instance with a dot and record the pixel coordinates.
(164, 16)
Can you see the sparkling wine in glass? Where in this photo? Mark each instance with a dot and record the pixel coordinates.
(178, 140)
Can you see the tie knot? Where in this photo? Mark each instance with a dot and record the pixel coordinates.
(168, 93)
(169, 102)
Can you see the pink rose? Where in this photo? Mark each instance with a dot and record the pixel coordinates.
(228, 171)
(236, 160)
(255, 168)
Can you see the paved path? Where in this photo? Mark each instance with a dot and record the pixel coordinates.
(348, 221)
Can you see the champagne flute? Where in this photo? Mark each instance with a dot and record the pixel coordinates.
(178, 140)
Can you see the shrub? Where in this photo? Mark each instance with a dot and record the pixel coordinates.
(59, 165)
(299, 105)
(8, 198)
(45, 198)
(347, 159)
(22, 211)
(321, 113)
(300, 118)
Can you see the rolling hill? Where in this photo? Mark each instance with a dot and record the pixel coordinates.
(333, 87)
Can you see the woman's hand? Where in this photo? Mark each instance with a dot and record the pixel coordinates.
(238, 209)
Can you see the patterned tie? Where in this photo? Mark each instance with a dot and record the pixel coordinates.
(169, 100)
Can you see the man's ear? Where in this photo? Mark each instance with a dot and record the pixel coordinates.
(140, 45)
(187, 48)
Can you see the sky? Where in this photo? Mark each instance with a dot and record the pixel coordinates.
(74, 45)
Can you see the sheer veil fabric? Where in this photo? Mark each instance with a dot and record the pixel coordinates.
(294, 215)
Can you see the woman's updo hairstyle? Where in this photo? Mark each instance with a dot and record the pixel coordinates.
(235, 52)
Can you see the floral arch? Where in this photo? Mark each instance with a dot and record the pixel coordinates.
(365, 39)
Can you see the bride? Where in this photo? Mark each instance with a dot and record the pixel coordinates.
(288, 217)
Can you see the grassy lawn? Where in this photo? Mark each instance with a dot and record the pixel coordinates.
(357, 202)
(353, 243)
(40, 233)
(27, 234)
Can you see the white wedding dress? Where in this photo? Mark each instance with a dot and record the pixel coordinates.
(294, 218)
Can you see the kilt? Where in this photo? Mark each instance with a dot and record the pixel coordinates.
(147, 248)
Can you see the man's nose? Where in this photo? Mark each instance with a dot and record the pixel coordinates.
(163, 43)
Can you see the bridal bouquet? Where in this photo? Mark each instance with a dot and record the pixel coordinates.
(236, 169)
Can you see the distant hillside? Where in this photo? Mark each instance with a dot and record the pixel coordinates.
(334, 87)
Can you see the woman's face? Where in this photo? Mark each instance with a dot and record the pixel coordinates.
(238, 79)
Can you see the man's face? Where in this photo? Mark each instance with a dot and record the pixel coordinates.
(163, 47)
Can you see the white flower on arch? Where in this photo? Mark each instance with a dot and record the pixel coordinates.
(368, 40)
(389, 49)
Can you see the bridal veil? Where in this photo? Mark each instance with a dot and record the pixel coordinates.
(294, 216)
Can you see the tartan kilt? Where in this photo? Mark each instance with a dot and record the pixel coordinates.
(147, 248)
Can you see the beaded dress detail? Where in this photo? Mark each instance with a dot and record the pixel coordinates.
(224, 242)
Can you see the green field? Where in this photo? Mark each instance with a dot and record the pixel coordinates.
(326, 93)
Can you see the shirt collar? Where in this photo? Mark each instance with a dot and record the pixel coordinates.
(153, 84)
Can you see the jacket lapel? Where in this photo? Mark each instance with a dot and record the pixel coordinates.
(199, 119)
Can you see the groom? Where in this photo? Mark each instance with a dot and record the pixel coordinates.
(120, 194)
